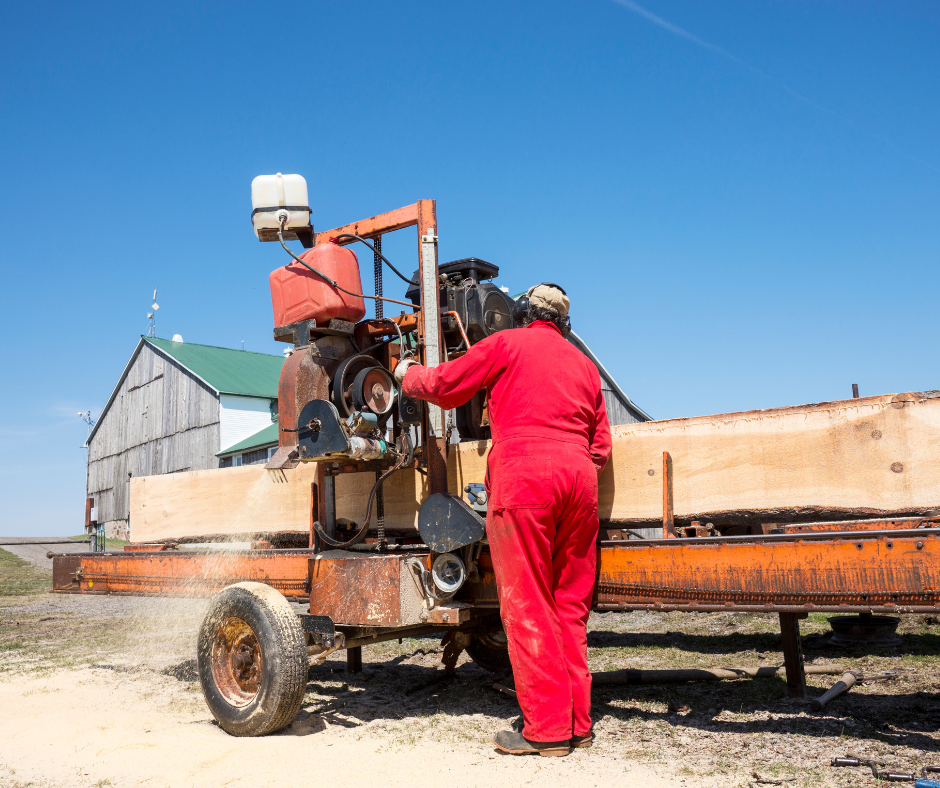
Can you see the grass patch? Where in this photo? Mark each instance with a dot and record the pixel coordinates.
(19, 578)
(109, 543)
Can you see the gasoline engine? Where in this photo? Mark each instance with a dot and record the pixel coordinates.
(337, 400)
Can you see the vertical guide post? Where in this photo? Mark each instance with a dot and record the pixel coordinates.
(793, 655)
(430, 288)
(435, 441)
(669, 527)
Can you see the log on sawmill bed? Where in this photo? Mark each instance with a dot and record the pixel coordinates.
(868, 457)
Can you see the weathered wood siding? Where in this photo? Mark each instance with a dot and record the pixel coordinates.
(162, 420)
(618, 412)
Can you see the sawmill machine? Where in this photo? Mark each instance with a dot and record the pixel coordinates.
(275, 612)
(337, 403)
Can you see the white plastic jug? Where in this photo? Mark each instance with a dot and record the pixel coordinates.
(269, 193)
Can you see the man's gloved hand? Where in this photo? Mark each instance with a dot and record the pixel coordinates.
(403, 366)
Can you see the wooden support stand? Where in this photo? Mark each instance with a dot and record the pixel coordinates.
(669, 525)
(793, 654)
(354, 659)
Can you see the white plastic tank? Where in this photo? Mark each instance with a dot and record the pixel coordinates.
(274, 196)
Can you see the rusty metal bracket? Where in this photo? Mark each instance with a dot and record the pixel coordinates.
(453, 614)
(300, 334)
(322, 627)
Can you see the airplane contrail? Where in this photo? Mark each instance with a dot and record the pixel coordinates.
(648, 15)
(666, 25)
(658, 20)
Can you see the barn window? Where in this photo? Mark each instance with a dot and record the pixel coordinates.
(255, 457)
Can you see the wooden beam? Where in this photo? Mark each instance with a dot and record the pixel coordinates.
(251, 499)
(856, 458)
(868, 457)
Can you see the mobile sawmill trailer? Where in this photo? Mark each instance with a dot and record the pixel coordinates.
(744, 523)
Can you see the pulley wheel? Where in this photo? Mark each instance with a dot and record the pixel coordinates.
(342, 393)
(374, 391)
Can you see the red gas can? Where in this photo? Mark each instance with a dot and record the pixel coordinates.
(299, 294)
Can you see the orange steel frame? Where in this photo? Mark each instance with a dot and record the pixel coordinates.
(866, 571)
(880, 566)
(423, 215)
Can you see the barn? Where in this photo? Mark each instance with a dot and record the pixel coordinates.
(176, 405)
(180, 406)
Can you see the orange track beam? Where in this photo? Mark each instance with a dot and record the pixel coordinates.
(870, 571)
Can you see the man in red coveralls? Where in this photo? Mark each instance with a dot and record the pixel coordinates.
(551, 440)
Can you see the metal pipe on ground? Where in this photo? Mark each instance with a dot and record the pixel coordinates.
(848, 680)
(633, 676)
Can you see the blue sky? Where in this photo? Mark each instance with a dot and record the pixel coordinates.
(742, 199)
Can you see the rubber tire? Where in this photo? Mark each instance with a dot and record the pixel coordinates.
(284, 659)
(489, 656)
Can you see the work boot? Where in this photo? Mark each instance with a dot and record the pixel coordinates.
(582, 741)
(513, 742)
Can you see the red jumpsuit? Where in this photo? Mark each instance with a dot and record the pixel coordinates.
(551, 440)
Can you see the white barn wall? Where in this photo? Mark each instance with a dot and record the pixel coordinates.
(241, 417)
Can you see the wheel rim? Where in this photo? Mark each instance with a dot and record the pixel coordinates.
(236, 662)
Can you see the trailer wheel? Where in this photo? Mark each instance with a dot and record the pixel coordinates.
(490, 651)
(252, 660)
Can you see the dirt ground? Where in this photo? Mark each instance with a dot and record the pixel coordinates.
(102, 691)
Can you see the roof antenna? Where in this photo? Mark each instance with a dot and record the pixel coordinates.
(151, 316)
(86, 417)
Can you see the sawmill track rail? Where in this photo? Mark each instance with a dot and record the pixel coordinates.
(890, 571)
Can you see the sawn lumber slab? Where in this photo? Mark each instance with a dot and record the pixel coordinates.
(874, 456)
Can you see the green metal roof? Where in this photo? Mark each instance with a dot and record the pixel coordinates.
(227, 371)
(264, 437)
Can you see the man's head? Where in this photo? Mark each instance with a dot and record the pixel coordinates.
(549, 296)
(548, 302)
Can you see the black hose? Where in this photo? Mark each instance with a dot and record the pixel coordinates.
(376, 252)
(332, 283)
